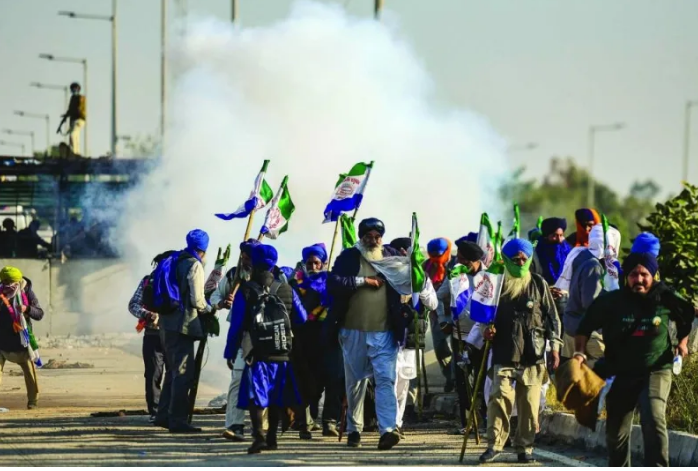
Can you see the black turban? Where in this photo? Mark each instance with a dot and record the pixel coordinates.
(646, 259)
(371, 224)
(401, 243)
(550, 225)
(470, 250)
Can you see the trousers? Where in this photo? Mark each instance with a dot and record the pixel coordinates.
(28, 369)
(235, 417)
(369, 354)
(74, 135)
(179, 362)
(650, 392)
(154, 361)
(522, 385)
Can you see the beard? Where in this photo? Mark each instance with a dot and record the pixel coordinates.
(515, 287)
(372, 254)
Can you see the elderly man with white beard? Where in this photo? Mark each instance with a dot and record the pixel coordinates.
(526, 318)
(367, 307)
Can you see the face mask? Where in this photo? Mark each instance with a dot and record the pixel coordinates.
(515, 270)
(460, 270)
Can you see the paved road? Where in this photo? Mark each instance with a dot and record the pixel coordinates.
(52, 438)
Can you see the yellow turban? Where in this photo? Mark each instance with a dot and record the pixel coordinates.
(9, 275)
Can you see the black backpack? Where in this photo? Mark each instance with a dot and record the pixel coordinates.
(268, 323)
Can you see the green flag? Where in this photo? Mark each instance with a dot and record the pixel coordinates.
(516, 229)
(279, 213)
(348, 231)
(416, 259)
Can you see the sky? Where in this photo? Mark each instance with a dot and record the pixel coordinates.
(541, 71)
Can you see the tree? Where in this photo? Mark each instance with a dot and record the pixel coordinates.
(675, 223)
(563, 190)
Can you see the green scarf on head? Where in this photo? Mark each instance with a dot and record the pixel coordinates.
(9, 275)
(515, 270)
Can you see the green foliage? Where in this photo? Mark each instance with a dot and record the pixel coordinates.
(676, 224)
(564, 190)
(683, 401)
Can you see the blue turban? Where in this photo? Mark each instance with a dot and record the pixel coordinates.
(584, 215)
(550, 225)
(646, 242)
(264, 256)
(197, 240)
(288, 272)
(437, 246)
(646, 259)
(247, 246)
(514, 246)
(316, 250)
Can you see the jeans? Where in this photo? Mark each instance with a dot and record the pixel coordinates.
(650, 392)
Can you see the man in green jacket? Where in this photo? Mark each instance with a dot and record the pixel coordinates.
(634, 321)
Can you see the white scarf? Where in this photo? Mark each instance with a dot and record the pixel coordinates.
(610, 255)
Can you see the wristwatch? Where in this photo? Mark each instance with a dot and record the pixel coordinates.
(580, 354)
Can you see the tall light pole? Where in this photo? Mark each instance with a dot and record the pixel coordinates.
(233, 10)
(46, 118)
(73, 60)
(53, 87)
(13, 132)
(687, 136)
(163, 68)
(111, 19)
(592, 133)
(377, 8)
(13, 144)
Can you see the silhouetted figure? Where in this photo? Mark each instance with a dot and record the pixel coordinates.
(28, 241)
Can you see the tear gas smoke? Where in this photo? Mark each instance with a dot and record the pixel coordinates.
(315, 93)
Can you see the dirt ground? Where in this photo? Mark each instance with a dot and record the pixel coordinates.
(62, 432)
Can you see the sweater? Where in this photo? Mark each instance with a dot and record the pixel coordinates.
(10, 340)
(635, 328)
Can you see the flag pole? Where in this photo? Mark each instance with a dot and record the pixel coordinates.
(334, 242)
(473, 405)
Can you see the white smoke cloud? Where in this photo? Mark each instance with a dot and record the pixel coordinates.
(315, 93)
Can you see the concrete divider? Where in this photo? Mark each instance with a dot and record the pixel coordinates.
(683, 447)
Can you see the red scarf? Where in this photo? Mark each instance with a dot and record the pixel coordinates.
(582, 234)
(435, 267)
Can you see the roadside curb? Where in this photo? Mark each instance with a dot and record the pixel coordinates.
(683, 447)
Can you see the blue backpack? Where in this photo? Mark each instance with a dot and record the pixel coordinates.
(166, 299)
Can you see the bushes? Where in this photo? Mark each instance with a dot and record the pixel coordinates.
(682, 408)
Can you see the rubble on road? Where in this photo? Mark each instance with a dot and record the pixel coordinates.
(219, 401)
(114, 340)
(64, 365)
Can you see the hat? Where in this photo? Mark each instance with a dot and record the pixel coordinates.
(401, 243)
(646, 242)
(646, 259)
(551, 225)
(371, 224)
(584, 215)
(9, 275)
(437, 247)
(264, 256)
(197, 240)
(514, 246)
(470, 250)
(317, 250)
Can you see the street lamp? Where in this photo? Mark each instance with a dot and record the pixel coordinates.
(13, 144)
(45, 117)
(234, 10)
(687, 136)
(52, 87)
(73, 60)
(592, 132)
(377, 8)
(21, 133)
(163, 66)
(111, 19)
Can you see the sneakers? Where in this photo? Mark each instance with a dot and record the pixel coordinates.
(489, 456)
(354, 440)
(32, 406)
(525, 458)
(330, 430)
(389, 440)
(234, 434)
(151, 419)
(305, 435)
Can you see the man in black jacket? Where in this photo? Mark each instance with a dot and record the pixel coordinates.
(368, 310)
(634, 322)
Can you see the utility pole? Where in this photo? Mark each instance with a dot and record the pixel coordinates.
(592, 133)
(163, 68)
(234, 10)
(687, 137)
(377, 8)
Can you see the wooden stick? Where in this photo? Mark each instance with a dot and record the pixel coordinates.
(473, 406)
